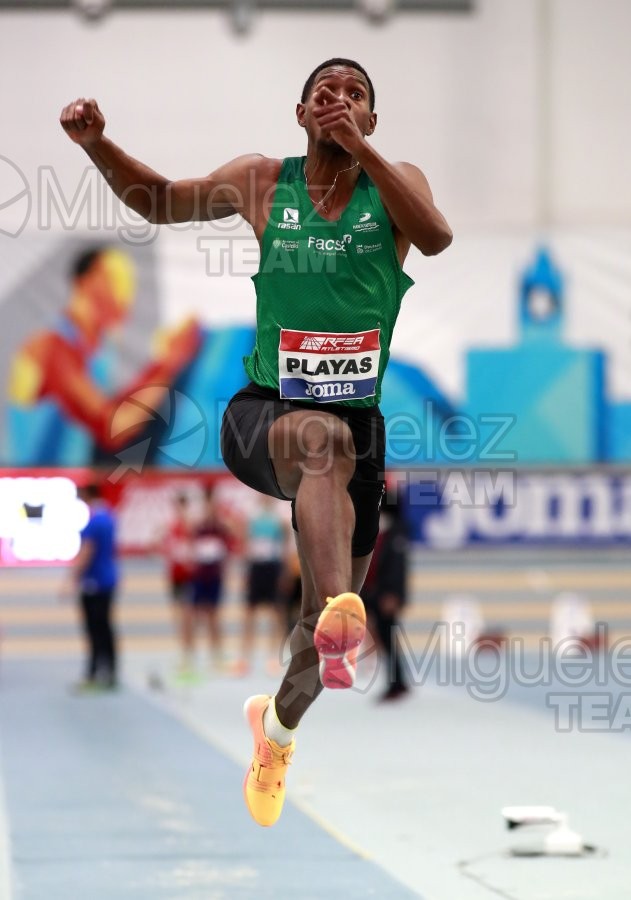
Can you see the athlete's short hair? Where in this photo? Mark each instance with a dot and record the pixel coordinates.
(338, 61)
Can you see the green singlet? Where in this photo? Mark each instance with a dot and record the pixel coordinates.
(327, 296)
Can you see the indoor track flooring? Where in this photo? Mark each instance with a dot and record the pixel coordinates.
(138, 794)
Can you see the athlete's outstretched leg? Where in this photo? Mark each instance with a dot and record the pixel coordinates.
(272, 720)
(301, 684)
(313, 456)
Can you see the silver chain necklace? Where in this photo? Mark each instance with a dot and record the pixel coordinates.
(321, 203)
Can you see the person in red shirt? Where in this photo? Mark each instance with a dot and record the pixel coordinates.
(177, 547)
(211, 549)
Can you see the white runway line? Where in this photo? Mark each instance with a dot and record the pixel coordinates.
(192, 721)
(6, 890)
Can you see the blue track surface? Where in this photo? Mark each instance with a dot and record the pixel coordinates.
(109, 797)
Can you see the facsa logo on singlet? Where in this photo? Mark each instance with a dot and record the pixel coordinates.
(330, 245)
(291, 219)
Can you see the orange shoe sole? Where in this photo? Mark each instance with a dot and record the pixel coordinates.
(339, 632)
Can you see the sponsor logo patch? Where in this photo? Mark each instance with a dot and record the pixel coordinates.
(366, 223)
(329, 245)
(328, 367)
(291, 219)
(368, 248)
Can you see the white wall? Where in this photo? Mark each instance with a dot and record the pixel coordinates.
(182, 93)
(461, 95)
(591, 111)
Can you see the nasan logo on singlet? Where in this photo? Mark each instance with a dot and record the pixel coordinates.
(328, 367)
(291, 219)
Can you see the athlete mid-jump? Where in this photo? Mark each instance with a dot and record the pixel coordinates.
(334, 228)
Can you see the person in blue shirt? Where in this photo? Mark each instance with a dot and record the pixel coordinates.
(96, 579)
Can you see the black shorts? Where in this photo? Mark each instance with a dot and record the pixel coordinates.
(244, 431)
(206, 593)
(263, 578)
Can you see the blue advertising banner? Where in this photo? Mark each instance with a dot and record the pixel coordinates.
(459, 508)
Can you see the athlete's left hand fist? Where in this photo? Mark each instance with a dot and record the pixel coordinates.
(334, 115)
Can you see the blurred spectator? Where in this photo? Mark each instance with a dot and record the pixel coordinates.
(385, 591)
(211, 549)
(95, 574)
(178, 549)
(267, 537)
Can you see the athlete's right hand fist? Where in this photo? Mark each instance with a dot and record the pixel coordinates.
(83, 121)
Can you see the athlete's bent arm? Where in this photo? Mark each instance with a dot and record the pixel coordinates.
(406, 194)
(402, 187)
(157, 199)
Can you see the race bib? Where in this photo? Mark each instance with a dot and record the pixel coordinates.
(209, 550)
(328, 367)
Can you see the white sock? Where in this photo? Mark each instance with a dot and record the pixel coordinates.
(274, 728)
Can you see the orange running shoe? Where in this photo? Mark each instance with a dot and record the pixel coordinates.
(338, 634)
(264, 785)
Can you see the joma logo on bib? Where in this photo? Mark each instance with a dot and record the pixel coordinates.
(326, 367)
(329, 393)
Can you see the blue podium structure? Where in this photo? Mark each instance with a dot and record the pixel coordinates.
(554, 394)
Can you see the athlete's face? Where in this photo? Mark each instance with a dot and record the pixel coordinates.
(351, 87)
